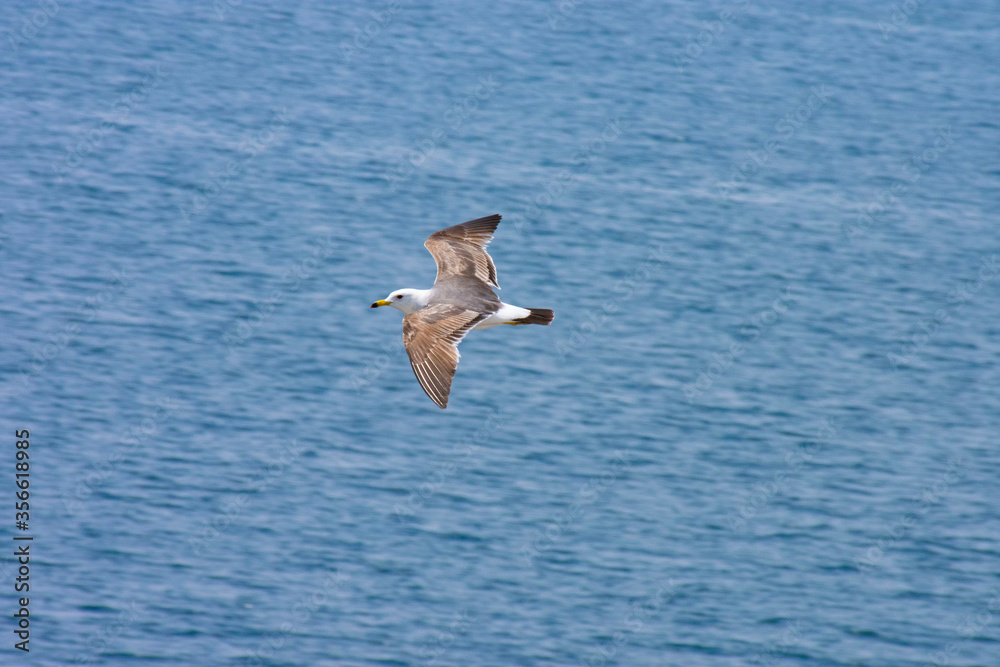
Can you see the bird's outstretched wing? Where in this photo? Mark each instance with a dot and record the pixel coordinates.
(431, 337)
(461, 250)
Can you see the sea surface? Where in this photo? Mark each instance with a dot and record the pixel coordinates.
(764, 427)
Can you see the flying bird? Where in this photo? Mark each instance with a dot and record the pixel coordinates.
(462, 299)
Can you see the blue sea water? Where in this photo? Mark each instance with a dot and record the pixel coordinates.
(763, 428)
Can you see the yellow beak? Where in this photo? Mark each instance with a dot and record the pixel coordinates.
(380, 302)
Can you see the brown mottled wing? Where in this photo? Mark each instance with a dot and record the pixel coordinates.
(431, 336)
(461, 250)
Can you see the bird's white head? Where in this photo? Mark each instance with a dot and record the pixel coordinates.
(405, 300)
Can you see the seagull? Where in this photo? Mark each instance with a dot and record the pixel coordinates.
(462, 299)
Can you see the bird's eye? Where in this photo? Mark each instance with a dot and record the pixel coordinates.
(399, 296)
